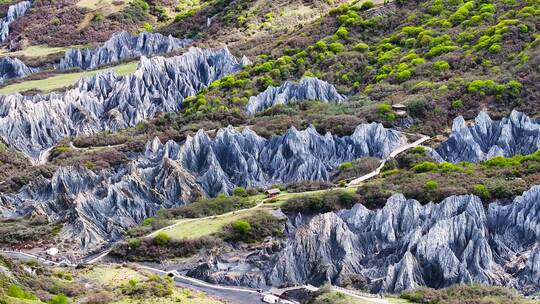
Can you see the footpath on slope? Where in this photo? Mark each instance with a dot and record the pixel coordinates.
(355, 182)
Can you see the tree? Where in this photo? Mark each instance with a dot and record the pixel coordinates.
(240, 191)
(242, 227)
(431, 185)
(162, 239)
(59, 299)
(366, 5)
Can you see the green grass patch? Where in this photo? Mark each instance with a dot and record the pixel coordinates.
(63, 80)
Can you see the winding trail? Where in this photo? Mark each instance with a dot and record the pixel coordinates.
(235, 212)
(357, 181)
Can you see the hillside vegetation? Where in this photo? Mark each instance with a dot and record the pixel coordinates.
(32, 283)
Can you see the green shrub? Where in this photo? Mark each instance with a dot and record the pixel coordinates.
(457, 104)
(320, 45)
(16, 291)
(58, 299)
(149, 221)
(431, 185)
(336, 47)
(366, 5)
(448, 167)
(418, 108)
(162, 239)
(134, 243)
(88, 164)
(240, 191)
(482, 87)
(404, 75)
(342, 33)
(345, 165)
(141, 4)
(495, 48)
(481, 191)
(361, 47)
(98, 17)
(425, 167)
(501, 162)
(440, 49)
(441, 65)
(242, 227)
(148, 27)
(419, 150)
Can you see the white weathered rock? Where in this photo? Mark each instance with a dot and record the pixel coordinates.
(14, 12)
(235, 158)
(96, 208)
(405, 245)
(107, 101)
(121, 46)
(309, 88)
(486, 138)
(12, 68)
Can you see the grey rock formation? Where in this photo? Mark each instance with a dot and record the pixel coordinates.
(99, 208)
(107, 101)
(235, 158)
(12, 68)
(309, 88)
(96, 208)
(14, 12)
(119, 47)
(486, 138)
(405, 245)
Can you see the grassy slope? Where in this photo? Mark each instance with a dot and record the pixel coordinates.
(35, 51)
(100, 282)
(63, 80)
(432, 56)
(196, 229)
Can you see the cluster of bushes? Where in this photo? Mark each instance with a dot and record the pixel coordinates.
(42, 285)
(148, 225)
(458, 294)
(331, 200)
(355, 168)
(248, 229)
(155, 286)
(14, 232)
(421, 178)
(161, 248)
(253, 228)
(211, 206)
(304, 186)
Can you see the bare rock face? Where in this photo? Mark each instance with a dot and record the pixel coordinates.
(14, 12)
(486, 138)
(98, 207)
(235, 158)
(107, 101)
(405, 245)
(12, 68)
(121, 46)
(309, 88)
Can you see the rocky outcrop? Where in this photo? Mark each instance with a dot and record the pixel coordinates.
(405, 245)
(107, 101)
(97, 208)
(235, 158)
(486, 138)
(14, 12)
(120, 47)
(12, 68)
(309, 88)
